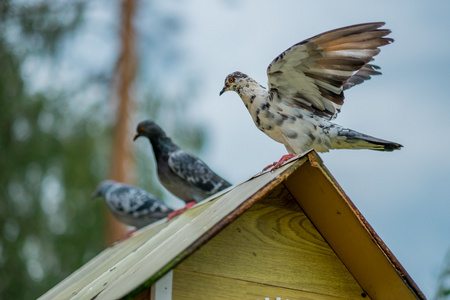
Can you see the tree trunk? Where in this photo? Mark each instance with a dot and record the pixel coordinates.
(122, 162)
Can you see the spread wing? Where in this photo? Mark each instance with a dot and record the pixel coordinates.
(196, 172)
(314, 73)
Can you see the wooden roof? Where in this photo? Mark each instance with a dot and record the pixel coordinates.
(128, 267)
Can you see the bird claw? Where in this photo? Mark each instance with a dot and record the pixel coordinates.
(190, 204)
(278, 164)
(179, 211)
(269, 166)
(282, 160)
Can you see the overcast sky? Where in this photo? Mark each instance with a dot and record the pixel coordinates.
(405, 194)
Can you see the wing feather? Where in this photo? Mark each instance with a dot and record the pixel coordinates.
(363, 74)
(196, 172)
(315, 72)
(335, 34)
(128, 200)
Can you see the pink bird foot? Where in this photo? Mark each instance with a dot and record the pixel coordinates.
(179, 211)
(278, 164)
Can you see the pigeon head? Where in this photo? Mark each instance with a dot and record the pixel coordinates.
(234, 82)
(149, 129)
(101, 188)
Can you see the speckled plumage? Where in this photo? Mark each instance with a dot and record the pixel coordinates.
(131, 205)
(306, 90)
(181, 173)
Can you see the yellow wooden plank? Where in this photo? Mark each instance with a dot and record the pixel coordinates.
(341, 224)
(196, 286)
(274, 243)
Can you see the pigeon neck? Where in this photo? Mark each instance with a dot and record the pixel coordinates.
(162, 145)
(251, 92)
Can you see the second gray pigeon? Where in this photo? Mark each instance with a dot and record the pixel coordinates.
(181, 173)
(131, 205)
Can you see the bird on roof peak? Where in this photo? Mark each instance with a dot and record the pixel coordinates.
(306, 90)
(181, 173)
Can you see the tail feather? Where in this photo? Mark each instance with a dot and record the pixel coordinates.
(357, 140)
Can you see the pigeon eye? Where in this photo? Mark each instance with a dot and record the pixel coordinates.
(231, 80)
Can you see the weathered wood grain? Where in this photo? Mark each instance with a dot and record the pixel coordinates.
(274, 243)
(352, 238)
(197, 286)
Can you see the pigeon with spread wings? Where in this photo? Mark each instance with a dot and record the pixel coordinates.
(181, 173)
(306, 90)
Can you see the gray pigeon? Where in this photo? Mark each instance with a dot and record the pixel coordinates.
(131, 205)
(306, 90)
(181, 173)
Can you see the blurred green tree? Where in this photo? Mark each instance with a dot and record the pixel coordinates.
(45, 158)
(55, 146)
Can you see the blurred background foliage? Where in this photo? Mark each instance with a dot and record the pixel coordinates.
(57, 109)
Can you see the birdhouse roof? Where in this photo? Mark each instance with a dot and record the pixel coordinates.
(136, 263)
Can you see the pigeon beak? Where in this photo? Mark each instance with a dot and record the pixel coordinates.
(136, 136)
(223, 90)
